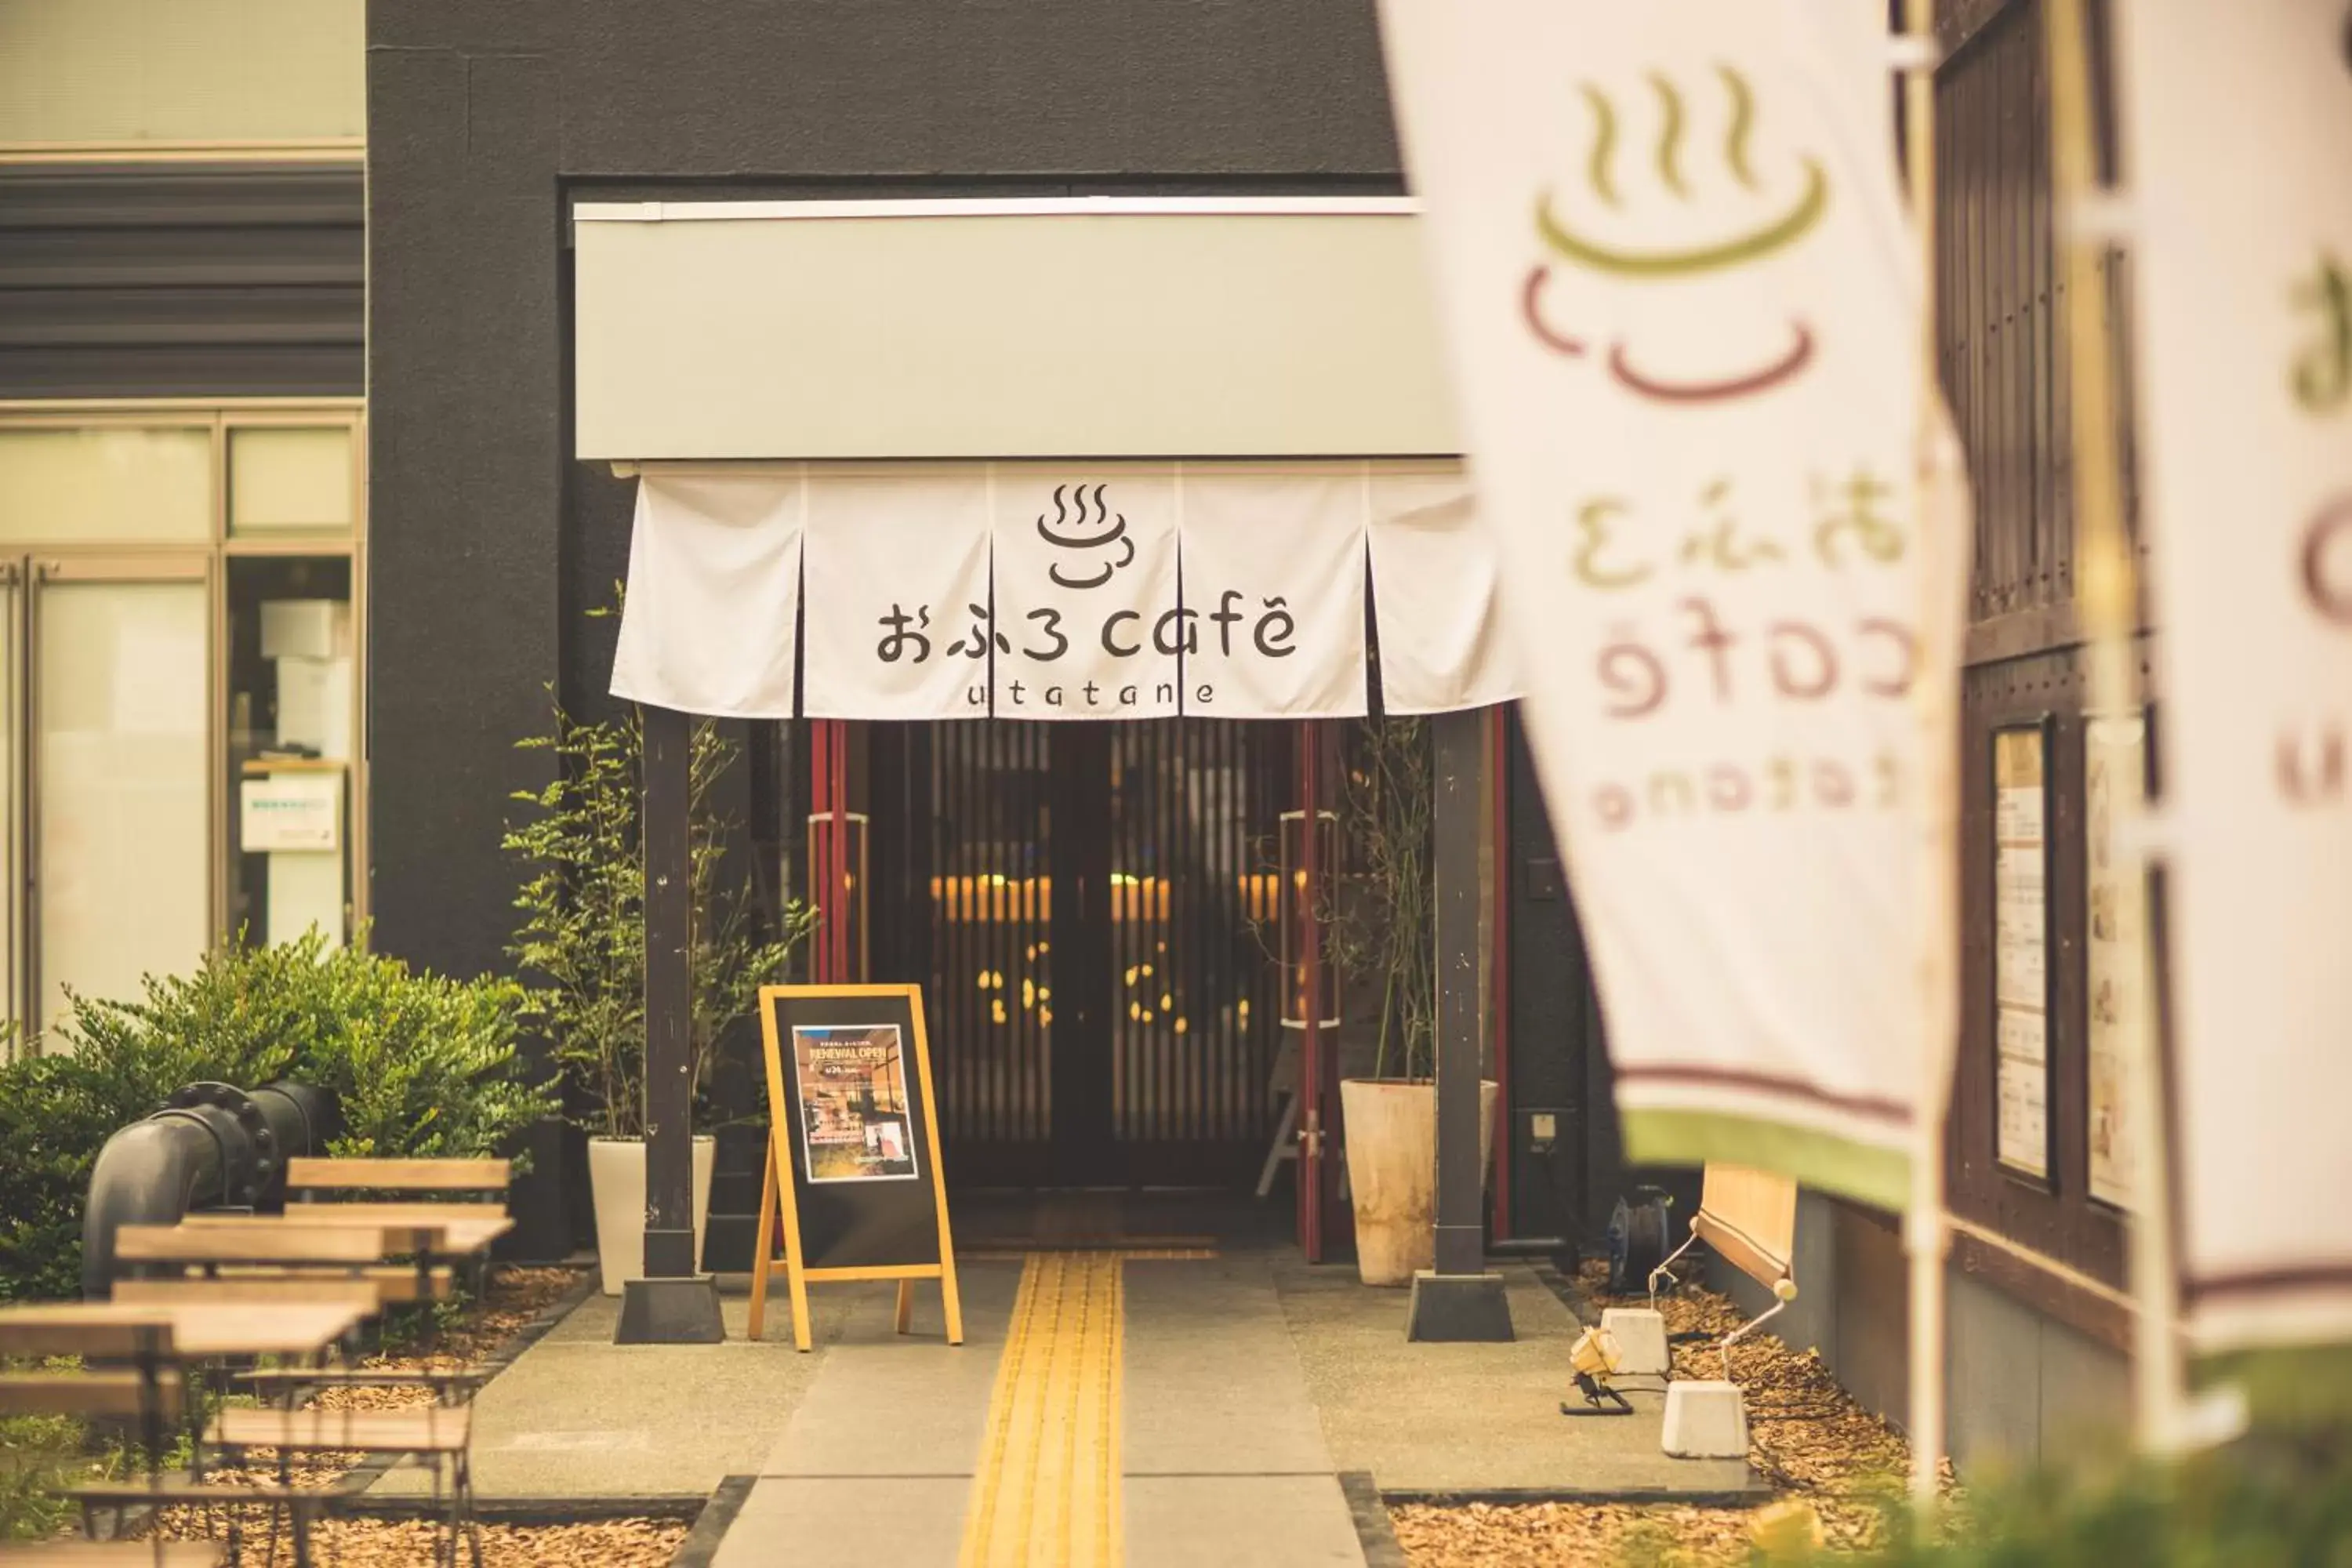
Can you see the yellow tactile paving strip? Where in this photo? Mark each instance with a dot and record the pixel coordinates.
(1047, 1488)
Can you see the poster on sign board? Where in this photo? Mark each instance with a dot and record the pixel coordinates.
(851, 1085)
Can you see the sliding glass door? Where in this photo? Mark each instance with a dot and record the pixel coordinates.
(115, 774)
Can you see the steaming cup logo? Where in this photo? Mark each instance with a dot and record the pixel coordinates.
(1081, 521)
(1578, 234)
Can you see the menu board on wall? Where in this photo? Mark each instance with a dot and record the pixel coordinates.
(2020, 949)
(2116, 757)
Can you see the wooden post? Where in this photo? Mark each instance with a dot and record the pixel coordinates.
(2108, 600)
(672, 1305)
(1461, 1230)
(1926, 1237)
(1458, 1300)
(1310, 1102)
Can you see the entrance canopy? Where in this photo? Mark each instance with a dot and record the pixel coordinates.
(934, 459)
(1061, 590)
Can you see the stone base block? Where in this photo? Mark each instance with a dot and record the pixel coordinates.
(670, 1313)
(1458, 1308)
(1641, 1336)
(1705, 1421)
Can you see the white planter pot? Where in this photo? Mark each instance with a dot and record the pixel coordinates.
(1392, 1172)
(616, 1176)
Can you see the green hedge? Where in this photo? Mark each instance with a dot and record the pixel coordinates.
(420, 1064)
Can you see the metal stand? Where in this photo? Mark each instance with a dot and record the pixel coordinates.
(1599, 1399)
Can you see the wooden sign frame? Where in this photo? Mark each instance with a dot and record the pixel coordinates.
(781, 1185)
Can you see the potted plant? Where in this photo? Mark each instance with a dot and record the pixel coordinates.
(1381, 936)
(580, 945)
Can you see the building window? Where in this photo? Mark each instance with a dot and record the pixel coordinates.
(180, 692)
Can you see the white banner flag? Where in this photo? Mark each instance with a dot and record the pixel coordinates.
(2236, 119)
(1675, 285)
(714, 594)
(1086, 620)
(1273, 591)
(898, 594)
(1436, 577)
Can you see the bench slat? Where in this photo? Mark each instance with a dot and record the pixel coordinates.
(87, 1394)
(208, 1492)
(67, 1329)
(396, 1213)
(115, 1554)
(312, 1173)
(342, 1290)
(269, 1241)
(434, 1429)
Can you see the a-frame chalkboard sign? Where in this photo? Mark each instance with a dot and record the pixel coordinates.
(852, 1150)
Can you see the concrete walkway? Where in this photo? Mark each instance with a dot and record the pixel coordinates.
(1219, 1458)
(1475, 1421)
(1200, 1408)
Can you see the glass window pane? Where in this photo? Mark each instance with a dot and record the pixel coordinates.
(122, 843)
(290, 480)
(125, 486)
(293, 690)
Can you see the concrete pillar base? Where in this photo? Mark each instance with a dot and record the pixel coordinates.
(1641, 1336)
(1705, 1421)
(679, 1311)
(1459, 1308)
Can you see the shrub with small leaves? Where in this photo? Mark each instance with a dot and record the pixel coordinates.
(419, 1063)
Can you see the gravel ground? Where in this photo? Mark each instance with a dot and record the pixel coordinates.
(515, 1297)
(1832, 1464)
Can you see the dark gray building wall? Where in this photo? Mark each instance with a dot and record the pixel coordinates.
(180, 280)
(487, 541)
(2021, 1387)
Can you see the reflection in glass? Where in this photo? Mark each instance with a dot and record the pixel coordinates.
(292, 682)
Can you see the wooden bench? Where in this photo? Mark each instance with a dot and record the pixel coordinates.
(423, 1190)
(153, 1394)
(1749, 1218)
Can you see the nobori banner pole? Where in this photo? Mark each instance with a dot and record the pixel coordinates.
(2109, 606)
(1925, 1236)
(672, 1304)
(1458, 1300)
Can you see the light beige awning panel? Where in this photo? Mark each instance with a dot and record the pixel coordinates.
(1003, 329)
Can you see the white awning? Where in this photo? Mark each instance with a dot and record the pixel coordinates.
(1058, 591)
(1097, 328)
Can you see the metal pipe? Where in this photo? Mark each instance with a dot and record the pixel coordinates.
(212, 1146)
(149, 1172)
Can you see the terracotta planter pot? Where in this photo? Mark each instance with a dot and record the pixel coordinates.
(1392, 1172)
(616, 1176)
